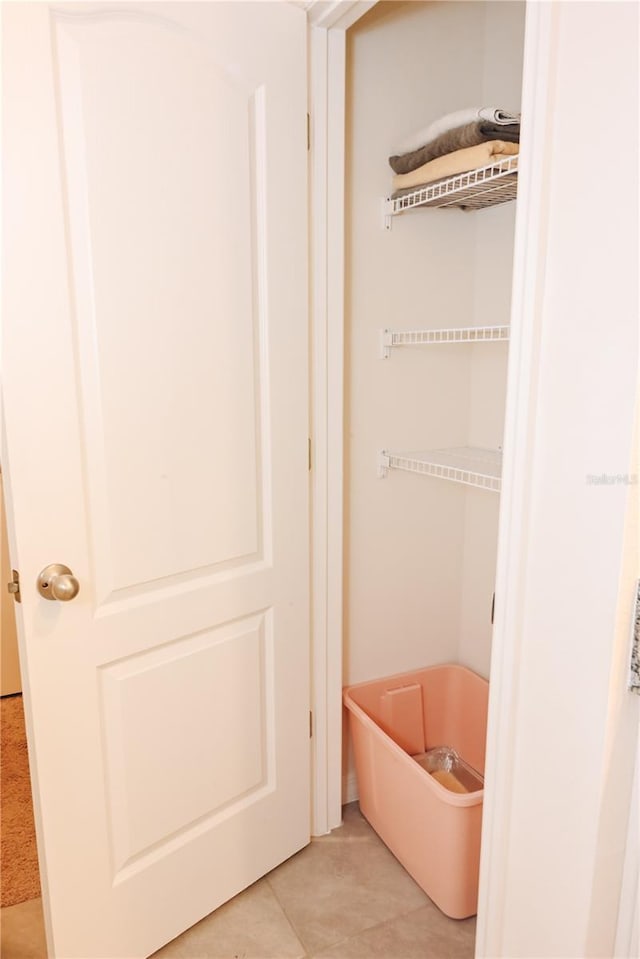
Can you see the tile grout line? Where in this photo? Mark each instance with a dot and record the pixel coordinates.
(286, 915)
(319, 840)
(368, 929)
(378, 925)
(309, 952)
(339, 942)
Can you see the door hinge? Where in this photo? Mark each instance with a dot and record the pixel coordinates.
(493, 607)
(310, 725)
(309, 454)
(14, 585)
(308, 131)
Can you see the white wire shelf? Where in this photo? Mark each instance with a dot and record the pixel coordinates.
(486, 186)
(463, 334)
(469, 465)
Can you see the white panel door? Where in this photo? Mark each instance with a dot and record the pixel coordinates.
(155, 387)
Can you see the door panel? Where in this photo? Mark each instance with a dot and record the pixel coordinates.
(156, 415)
(217, 684)
(167, 177)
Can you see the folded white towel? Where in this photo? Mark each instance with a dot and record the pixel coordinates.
(453, 120)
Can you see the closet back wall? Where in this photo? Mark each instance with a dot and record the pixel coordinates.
(399, 590)
(416, 579)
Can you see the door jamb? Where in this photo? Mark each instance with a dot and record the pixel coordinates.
(328, 24)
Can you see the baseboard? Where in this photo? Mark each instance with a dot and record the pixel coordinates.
(349, 789)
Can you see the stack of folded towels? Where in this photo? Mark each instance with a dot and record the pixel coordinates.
(456, 143)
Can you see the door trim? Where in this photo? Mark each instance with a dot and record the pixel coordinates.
(327, 88)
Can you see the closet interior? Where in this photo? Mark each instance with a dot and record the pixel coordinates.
(428, 291)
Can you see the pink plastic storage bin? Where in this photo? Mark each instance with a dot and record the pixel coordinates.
(434, 833)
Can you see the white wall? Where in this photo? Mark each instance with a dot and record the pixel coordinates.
(618, 844)
(563, 729)
(420, 553)
(403, 535)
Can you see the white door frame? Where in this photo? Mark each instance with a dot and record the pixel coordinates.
(328, 24)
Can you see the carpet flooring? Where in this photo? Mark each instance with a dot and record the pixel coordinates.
(19, 875)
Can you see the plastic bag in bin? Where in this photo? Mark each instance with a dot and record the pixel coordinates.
(452, 772)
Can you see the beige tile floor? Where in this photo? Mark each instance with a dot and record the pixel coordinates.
(343, 897)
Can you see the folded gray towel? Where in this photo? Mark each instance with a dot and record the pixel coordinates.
(468, 135)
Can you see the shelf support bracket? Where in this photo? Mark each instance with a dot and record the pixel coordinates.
(383, 464)
(387, 213)
(386, 342)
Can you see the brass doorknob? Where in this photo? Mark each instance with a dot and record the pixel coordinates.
(58, 582)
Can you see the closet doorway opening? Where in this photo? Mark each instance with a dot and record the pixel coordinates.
(422, 289)
(411, 564)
